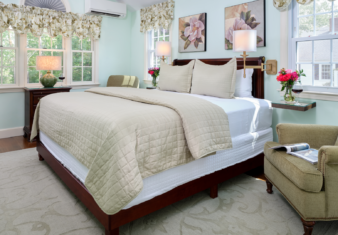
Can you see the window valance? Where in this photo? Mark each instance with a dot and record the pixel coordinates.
(25, 19)
(157, 16)
(282, 5)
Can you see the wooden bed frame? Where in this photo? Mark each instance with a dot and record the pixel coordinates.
(211, 181)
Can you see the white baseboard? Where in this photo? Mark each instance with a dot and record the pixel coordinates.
(11, 132)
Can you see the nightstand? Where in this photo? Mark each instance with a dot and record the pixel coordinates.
(32, 98)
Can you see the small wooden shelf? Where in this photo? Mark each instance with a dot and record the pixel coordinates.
(304, 105)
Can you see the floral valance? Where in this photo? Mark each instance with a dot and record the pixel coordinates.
(157, 16)
(25, 19)
(283, 5)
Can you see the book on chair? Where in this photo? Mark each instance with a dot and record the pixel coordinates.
(302, 150)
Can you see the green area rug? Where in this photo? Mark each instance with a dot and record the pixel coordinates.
(34, 201)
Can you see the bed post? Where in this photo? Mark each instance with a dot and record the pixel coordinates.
(214, 191)
(112, 232)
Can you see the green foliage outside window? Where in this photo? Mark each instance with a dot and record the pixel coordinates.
(82, 60)
(8, 57)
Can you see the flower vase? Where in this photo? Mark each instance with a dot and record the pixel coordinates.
(154, 81)
(288, 96)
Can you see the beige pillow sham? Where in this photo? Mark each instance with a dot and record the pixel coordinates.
(215, 80)
(176, 78)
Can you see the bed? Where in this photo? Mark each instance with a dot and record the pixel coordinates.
(250, 127)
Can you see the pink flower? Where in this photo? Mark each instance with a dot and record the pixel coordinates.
(294, 76)
(238, 25)
(288, 71)
(194, 30)
(151, 72)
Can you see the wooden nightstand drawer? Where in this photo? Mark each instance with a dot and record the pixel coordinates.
(32, 98)
(37, 98)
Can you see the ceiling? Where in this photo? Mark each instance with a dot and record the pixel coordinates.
(138, 4)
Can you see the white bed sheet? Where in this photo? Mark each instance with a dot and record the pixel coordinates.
(244, 147)
(246, 115)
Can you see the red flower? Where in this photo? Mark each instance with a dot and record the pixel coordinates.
(151, 72)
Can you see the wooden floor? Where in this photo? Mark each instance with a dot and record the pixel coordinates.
(19, 142)
(15, 143)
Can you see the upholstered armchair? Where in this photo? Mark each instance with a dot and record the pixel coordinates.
(123, 81)
(312, 190)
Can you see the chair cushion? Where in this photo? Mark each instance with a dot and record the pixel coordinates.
(302, 173)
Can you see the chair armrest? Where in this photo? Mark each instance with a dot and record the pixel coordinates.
(315, 135)
(327, 155)
(328, 165)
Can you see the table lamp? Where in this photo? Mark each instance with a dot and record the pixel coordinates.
(48, 63)
(163, 49)
(246, 40)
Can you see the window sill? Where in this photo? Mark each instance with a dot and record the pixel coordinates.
(73, 86)
(314, 95)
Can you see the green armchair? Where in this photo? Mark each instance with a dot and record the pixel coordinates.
(312, 190)
(123, 81)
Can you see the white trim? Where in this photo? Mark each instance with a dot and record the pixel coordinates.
(11, 132)
(328, 96)
(73, 86)
(284, 40)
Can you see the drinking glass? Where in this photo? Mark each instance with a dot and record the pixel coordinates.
(297, 89)
(62, 78)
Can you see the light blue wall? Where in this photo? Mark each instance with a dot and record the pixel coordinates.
(326, 111)
(114, 58)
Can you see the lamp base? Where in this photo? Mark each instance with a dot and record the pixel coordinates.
(48, 80)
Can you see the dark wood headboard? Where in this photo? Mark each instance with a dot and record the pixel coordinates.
(257, 77)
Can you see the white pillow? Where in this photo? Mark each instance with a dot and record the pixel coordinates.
(244, 85)
(176, 78)
(215, 80)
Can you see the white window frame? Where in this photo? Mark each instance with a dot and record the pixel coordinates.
(316, 90)
(16, 67)
(148, 39)
(26, 83)
(93, 51)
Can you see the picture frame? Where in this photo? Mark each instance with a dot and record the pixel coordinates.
(192, 34)
(246, 16)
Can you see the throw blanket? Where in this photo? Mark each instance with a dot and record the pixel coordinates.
(122, 141)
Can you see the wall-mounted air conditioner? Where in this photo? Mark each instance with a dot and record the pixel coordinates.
(104, 7)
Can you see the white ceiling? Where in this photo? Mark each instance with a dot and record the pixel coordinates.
(139, 4)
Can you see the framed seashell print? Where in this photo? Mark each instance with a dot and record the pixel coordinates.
(192, 36)
(246, 16)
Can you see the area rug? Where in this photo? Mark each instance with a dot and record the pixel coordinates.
(34, 201)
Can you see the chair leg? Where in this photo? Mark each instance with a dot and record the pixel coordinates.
(308, 226)
(112, 232)
(41, 158)
(269, 187)
(214, 191)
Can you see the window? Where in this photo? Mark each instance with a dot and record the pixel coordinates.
(42, 46)
(314, 43)
(82, 59)
(8, 58)
(153, 37)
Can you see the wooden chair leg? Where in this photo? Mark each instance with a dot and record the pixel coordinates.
(112, 232)
(269, 187)
(308, 226)
(214, 191)
(41, 158)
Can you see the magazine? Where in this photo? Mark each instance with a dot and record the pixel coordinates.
(302, 150)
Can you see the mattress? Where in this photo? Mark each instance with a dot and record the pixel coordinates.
(245, 147)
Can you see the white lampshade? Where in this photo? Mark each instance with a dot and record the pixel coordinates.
(163, 48)
(48, 63)
(245, 40)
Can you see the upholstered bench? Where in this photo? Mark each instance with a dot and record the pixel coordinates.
(312, 190)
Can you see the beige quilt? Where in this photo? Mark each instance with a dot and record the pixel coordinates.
(122, 141)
